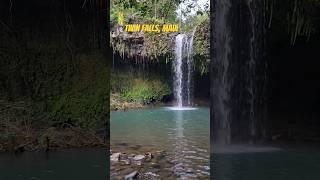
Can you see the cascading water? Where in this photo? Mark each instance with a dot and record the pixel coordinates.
(178, 69)
(183, 93)
(190, 69)
(238, 71)
(183, 70)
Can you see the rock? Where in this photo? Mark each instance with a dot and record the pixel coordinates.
(19, 149)
(161, 155)
(139, 163)
(131, 156)
(156, 166)
(151, 174)
(131, 176)
(126, 162)
(138, 157)
(115, 157)
(127, 170)
(189, 170)
(149, 155)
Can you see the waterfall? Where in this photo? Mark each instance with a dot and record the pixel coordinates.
(183, 69)
(178, 69)
(221, 83)
(190, 69)
(238, 71)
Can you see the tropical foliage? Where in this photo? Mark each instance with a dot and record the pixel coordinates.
(139, 87)
(160, 46)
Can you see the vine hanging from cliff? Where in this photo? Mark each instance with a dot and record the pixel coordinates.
(298, 15)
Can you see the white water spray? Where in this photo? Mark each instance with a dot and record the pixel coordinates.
(178, 69)
(190, 69)
(183, 69)
(238, 80)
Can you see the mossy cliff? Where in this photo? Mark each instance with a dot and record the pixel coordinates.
(54, 77)
(159, 47)
(135, 90)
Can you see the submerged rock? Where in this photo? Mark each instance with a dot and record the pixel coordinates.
(139, 163)
(138, 157)
(131, 156)
(126, 162)
(132, 175)
(115, 157)
(149, 155)
(145, 161)
(149, 176)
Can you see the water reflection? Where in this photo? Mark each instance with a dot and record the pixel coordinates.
(179, 147)
(238, 162)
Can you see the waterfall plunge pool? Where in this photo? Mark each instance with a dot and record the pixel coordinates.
(177, 108)
(180, 136)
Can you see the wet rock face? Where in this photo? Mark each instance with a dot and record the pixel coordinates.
(238, 73)
(139, 45)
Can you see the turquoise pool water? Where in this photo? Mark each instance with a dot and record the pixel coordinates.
(182, 133)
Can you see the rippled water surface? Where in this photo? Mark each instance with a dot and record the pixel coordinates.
(183, 134)
(240, 162)
(62, 165)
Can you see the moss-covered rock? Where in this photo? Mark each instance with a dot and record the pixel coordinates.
(201, 46)
(133, 89)
(86, 104)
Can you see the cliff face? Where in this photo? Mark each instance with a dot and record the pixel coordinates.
(52, 67)
(260, 88)
(159, 47)
(142, 46)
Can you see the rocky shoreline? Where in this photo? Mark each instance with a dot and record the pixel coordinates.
(119, 105)
(124, 106)
(140, 166)
(25, 126)
(130, 162)
(51, 139)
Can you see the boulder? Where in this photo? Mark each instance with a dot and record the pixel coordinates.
(115, 157)
(131, 176)
(138, 157)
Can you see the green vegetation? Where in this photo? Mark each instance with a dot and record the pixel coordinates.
(65, 108)
(60, 88)
(155, 11)
(54, 78)
(86, 103)
(133, 89)
(201, 47)
(155, 47)
(145, 91)
(297, 19)
(138, 88)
